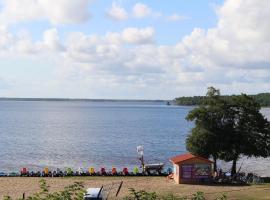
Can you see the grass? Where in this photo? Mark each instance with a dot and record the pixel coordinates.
(16, 186)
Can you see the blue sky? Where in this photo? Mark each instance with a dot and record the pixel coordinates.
(132, 49)
(198, 13)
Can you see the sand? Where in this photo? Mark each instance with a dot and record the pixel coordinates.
(16, 186)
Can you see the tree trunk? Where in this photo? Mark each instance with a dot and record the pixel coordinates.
(233, 171)
(215, 163)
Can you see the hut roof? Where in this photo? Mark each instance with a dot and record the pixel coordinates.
(187, 156)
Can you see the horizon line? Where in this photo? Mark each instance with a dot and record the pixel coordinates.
(74, 99)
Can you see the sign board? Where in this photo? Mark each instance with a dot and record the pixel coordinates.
(202, 170)
(140, 150)
(196, 171)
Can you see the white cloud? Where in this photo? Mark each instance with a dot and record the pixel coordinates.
(5, 38)
(21, 43)
(57, 12)
(51, 40)
(176, 17)
(141, 10)
(117, 12)
(241, 38)
(138, 36)
(132, 35)
(233, 56)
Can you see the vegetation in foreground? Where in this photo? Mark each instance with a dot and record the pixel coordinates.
(76, 192)
(143, 195)
(71, 192)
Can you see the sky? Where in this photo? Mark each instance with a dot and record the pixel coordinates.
(131, 49)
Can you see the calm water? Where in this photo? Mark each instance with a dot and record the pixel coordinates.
(83, 134)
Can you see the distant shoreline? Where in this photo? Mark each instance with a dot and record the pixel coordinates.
(172, 102)
(262, 98)
(85, 100)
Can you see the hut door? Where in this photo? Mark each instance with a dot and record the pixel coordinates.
(187, 171)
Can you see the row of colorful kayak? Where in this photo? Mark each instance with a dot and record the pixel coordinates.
(46, 172)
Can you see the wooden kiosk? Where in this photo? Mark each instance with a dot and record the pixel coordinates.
(189, 168)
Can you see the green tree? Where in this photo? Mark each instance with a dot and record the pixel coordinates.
(206, 138)
(228, 128)
(263, 99)
(249, 132)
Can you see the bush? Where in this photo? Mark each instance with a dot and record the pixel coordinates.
(143, 195)
(198, 196)
(140, 195)
(222, 197)
(71, 192)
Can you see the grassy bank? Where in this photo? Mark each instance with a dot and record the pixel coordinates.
(16, 186)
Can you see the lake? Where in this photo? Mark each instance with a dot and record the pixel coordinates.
(60, 134)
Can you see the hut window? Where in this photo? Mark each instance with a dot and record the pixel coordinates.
(187, 171)
(202, 170)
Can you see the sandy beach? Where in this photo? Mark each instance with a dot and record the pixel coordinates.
(16, 186)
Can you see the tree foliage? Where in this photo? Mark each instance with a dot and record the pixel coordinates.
(263, 99)
(206, 138)
(249, 132)
(227, 129)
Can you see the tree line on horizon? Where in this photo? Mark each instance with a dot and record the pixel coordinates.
(262, 98)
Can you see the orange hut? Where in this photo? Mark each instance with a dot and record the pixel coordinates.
(189, 168)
